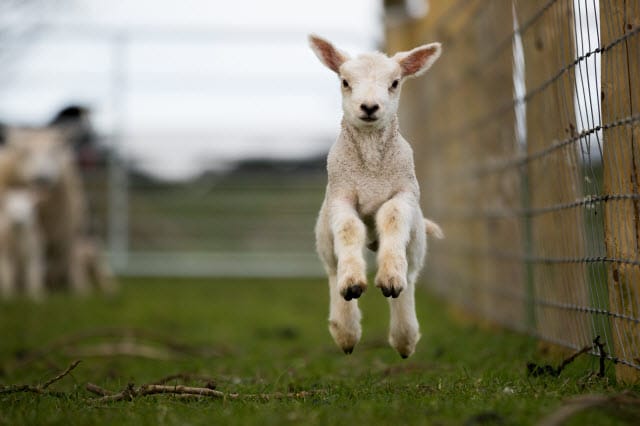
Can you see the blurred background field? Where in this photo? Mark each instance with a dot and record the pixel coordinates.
(255, 220)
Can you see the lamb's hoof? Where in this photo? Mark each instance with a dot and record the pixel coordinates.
(346, 336)
(391, 291)
(404, 340)
(391, 285)
(352, 292)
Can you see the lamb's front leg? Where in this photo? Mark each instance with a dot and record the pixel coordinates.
(350, 282)
(395, 221)
(349, 235)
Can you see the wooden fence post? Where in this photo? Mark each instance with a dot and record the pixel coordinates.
(621, 162)
(555, 177)
(439, 114)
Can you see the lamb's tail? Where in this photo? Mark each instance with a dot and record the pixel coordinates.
(433, 229)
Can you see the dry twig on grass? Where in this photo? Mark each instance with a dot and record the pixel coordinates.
(536, 370)
(277, 395)
(131, 391)
(42, 387)
(209, 382)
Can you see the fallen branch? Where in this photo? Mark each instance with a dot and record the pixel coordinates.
(209, 382)
(51, 381)
(536, 370)
(277, 395)
(131, 392)
(40, 388)
(97, 390)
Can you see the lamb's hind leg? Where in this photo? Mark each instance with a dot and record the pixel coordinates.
(404, 330)
(402, 246)
(338, 259)
(344, 318)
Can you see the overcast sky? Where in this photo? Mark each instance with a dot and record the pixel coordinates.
(191, 83)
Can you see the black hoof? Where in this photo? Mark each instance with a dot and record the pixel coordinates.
(353, 292)
(386, 292)
(391, 292)
(348, 351)
(404, 356)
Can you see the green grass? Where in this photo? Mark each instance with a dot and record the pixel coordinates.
(272, 337)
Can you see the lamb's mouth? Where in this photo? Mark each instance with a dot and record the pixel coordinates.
(368, 119)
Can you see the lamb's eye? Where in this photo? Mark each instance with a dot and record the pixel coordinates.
(395, 83)
(345, 83)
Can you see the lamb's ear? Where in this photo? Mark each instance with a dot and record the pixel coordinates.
(415, 62)
(327, 53)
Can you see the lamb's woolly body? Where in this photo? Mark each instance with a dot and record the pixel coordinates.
(368, 169)
(372, 197)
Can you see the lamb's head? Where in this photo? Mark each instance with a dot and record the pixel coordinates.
(371, 82)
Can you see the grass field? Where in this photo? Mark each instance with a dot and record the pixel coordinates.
(270, 337)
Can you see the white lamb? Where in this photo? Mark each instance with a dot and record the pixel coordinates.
(372, 195)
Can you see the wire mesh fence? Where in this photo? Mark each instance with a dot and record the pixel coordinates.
(526, 136)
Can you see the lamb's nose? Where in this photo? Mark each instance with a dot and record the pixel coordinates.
(369, 109)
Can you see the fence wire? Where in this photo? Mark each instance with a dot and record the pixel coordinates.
(526, 136)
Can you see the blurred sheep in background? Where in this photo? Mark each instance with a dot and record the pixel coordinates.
(44, 238)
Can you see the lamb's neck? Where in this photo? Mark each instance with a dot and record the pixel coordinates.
(371, 145)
